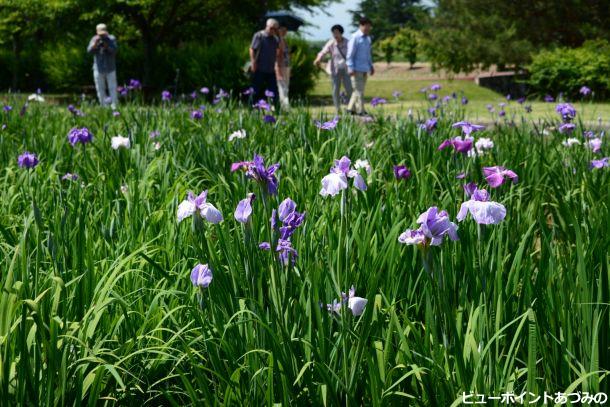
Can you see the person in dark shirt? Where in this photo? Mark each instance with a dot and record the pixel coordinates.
(103, 46)
(264, 53)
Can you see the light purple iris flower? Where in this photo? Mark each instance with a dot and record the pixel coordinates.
(204, 90)
(286, 252)
(329, 125)
(166, 96)
(585, 91)
(566, 111)
(401, 172)
(264, 246)
(198, 205)
(244, 209)
(68, 176)
(336, 180)
(269, 93)
(458, 144)
(567, 128)
(201, 275)
(262, 105)
(82, 135)
(468, 128)
(134, 84)
(257, 171)
(248, 91)
(495, 176)
(432, 96)
(435, 87)
(483, 211)
(595, 144)
(464, 100)
(290, 218)
(549, 99)
(27, 160)
(601, 163)
(76, 112)
(434, 226)
(376, 101)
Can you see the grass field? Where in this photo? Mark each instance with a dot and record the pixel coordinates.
(105, 303)
(397, 77)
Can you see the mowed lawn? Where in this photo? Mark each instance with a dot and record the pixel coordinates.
(397, 77)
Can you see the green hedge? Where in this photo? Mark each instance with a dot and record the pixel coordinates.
(567, 70)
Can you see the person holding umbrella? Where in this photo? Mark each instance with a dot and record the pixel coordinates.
(264, 53)
(336, 47)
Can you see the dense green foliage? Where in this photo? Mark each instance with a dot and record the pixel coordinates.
(389, 16)
(465, 34)
(98, 308)
(567, 70)
(154, 36)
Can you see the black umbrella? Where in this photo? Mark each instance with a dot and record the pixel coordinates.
(286, 19)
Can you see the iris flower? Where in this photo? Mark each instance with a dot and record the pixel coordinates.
(82, 135)
(401, 172)
(355, 304)
(201, 275)
(237, 134)
(198, 205)
(468, 128)
(483, 211)
(566, 111)
(244, 209)
(495, 176)
(257, 171)
(27, 160)
(434, 225)
(378, 101)
(336, 180)
(601, 163)
(329, 125)
(458, 144)
(120, 142)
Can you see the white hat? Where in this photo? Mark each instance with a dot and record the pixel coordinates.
(101, 29)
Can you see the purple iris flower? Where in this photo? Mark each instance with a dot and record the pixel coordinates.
(123, 90)
(458, 144)
(269, 93)
(27, 160)
(401, 172)
(378, 101)
(262, 105)
(196, 115)
(82, 135)
(566, 111)
(194, 95)
(595, 144)
(201, 275)
(430, 124)
(432, 96)
(432, 111)
(327, 125)
(248, 91)
(467, 127)
(490, 108)
(257, 171)
(464, 100)
(495, 176)
(549, 99)
(483, 211)
(7, 108)
(269, 119)
(291, 219)
(68, 176)
(166, 96)
(521, 100)
(244, 209)
(222, 94)
(434, 226)
(446, 99)
(154, 134)
(336, 180)
(435, 87)
(286, 251)
(588, 134)
(601, 163)
(204, 90)
(75, 111)
(135, 84)
(585, 91)
(567, 128)
(264, 246)
(502, 113)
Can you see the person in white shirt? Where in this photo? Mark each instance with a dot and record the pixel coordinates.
(336, 47)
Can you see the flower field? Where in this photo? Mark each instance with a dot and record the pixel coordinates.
(181, 255)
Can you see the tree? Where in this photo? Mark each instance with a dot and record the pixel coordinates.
(406, 42)
(466, 34)
(387, 48)
(388, 16)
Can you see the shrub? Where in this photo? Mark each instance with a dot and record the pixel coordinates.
(567, 70)
(303, 72)
(66, 67)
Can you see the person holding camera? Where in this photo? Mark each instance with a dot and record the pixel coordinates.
(103, 46)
